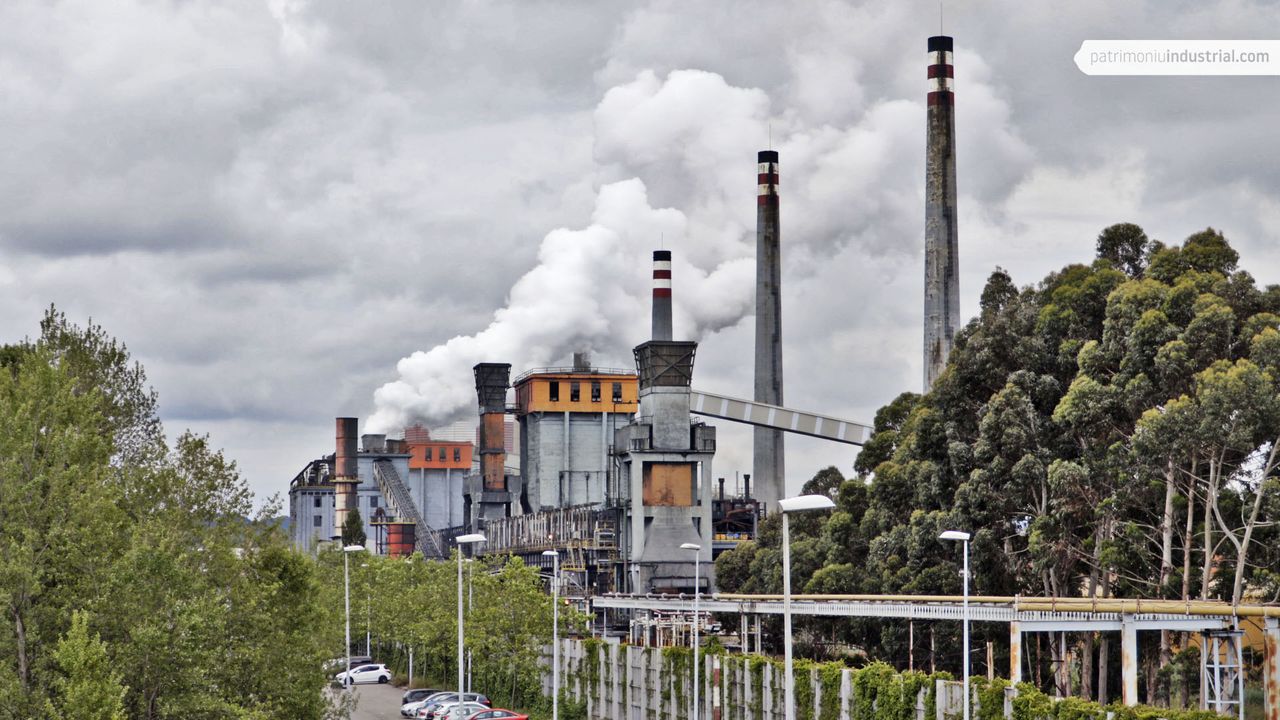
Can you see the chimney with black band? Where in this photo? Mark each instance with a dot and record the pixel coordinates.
(941, 248)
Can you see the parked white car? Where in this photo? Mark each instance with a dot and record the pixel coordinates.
(372, 673)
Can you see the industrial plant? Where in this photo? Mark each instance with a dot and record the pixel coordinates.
(615, 466)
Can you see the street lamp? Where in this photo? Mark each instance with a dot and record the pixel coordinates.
(697, 679)
(555, 632)
(463, 540)
(346, 591)
(963, 537)
(802, 503)
(368, 614)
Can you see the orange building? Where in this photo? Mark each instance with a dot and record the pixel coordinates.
(568, 417)
(439, 454)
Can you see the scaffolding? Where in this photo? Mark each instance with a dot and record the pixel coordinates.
(1222, 672)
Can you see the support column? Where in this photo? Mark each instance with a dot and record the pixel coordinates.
(1129, 660)
(715, 687)
(1015, 652)
(1271, 669)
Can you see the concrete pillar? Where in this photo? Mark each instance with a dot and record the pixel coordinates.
(1271, 669)
(1128, 660)
(1015, 652)
(715, 687)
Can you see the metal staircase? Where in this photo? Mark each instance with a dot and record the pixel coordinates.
(394, 490)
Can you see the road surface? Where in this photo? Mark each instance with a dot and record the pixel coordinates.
(377, 702)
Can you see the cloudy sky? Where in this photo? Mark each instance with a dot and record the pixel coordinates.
(292, 210)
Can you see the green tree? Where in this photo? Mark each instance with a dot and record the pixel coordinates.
(353, 528)
(90, 687)
(100, 518)
(1125, 245)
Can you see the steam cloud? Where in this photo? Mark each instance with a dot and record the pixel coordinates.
(688, 140)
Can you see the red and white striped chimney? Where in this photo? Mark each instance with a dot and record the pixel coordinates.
(661, 295)
(941, 246)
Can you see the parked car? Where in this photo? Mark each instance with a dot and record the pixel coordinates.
(497, 714)
(439, 700)
(410, 710)
(412, 696)
(370, 673)
(336, 664)
(451, 711)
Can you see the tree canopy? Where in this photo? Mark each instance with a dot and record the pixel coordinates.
(1110, 431)
(132, 580)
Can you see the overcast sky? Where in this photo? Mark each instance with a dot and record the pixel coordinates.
(277, 203)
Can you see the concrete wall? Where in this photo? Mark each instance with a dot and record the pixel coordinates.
(302, 514)
(438, 494)
(543, 457)
(639, 683)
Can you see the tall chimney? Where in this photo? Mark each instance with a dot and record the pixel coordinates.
(492, 380)
(346, 473)
(941, 249)
(768, 456)
(661, 295)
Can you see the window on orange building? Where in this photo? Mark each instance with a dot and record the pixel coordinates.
(617, 392)
(554, 388)
(426, 453)
(457, 454)
(574, 396)
(595, 391)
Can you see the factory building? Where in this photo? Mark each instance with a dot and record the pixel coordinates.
(431, 472)
(567, 418)
(665, 469)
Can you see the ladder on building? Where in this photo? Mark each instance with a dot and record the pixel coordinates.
(605, 545)
(394, 490)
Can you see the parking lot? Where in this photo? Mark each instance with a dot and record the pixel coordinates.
(377, 702)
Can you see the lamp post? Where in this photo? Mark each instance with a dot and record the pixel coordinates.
(555, 632)
(463, 540)
(368, 614)
(697, 678)
(471, 571)
(346, 593)
(963, 537)
(801, 503)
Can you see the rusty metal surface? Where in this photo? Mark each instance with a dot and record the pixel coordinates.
(345, 452)
(1271, 670)
(1129, 665)
(1015, 653)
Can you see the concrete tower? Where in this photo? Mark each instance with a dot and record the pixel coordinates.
(489, 495)
(661, 295)
(941, 250)
(768, 456)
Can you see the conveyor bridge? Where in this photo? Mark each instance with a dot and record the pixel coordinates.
(779, 418)
(394, 490)
(1222, 678)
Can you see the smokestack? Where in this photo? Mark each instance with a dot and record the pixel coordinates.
(661, 295)
(492, 380)
(346, 474)
(768, 456)
(941, 248)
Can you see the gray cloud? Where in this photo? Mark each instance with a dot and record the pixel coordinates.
(273, 204)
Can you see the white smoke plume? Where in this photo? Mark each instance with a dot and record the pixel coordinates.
(676, 160)
(591, 287)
